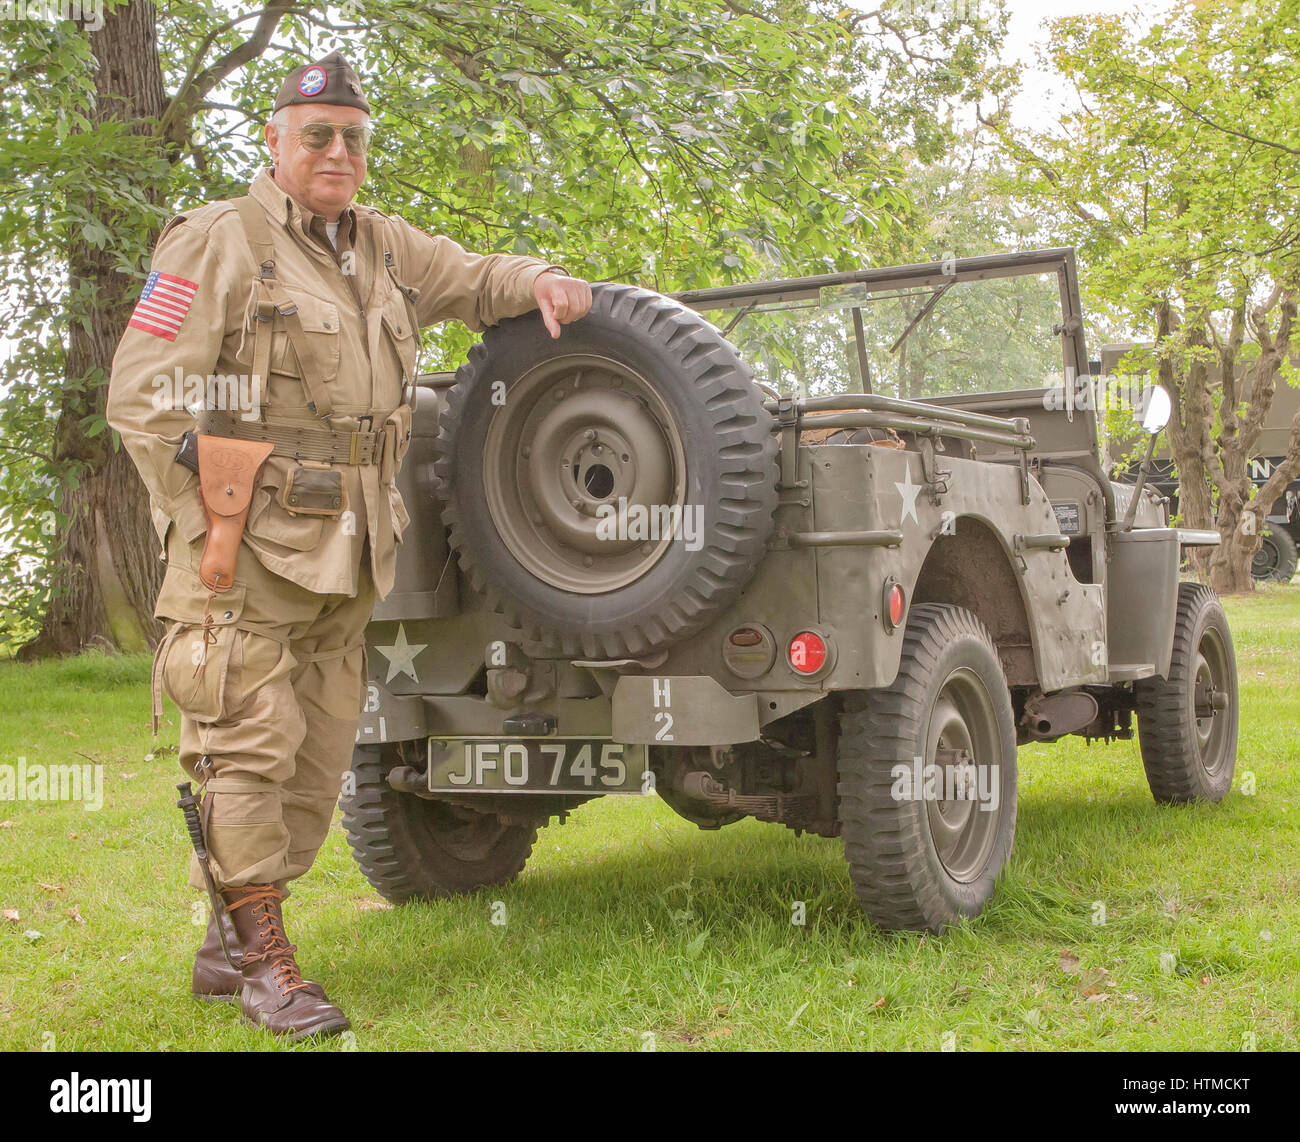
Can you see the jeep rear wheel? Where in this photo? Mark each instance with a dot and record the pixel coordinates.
(610, 490)
(412, 848)
(926, 846)
(1187, 722)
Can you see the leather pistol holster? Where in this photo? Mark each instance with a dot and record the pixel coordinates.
(228, 473)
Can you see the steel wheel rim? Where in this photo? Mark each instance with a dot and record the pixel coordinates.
(1267, 559)
(462, 833)
(577, 439)
(963, 719)
(1210, 675)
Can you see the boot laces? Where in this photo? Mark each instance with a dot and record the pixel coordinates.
(275, 943)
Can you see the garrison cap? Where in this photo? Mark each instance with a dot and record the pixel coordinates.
(330, 80)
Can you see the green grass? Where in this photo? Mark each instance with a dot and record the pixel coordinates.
(629, 923)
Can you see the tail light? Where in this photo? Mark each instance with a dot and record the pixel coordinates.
(808, 652)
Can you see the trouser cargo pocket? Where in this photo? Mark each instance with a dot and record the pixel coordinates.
(193, 665)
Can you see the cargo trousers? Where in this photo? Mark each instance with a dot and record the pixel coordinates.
(269, 679)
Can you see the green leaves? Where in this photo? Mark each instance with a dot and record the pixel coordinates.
(674, 143)
(1175, 179)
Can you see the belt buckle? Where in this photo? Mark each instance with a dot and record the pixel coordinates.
(355, 440)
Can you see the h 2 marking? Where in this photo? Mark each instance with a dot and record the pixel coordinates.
(661, 693)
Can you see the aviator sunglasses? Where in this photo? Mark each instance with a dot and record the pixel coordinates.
(320, 136)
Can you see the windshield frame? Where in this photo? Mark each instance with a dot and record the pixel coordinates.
(932, 275)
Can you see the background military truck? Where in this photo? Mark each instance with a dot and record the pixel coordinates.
(837, 597)
(1276, 559)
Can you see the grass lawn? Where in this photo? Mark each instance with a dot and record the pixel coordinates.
(631, 929)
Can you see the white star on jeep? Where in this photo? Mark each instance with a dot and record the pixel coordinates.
(909, 491)
(401, 655)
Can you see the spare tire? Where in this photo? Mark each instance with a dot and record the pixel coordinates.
(610, 490)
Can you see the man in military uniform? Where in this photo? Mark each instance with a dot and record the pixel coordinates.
(278, 546)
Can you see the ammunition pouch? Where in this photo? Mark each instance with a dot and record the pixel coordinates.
(228, 473)
(314, 491)
(397, 440)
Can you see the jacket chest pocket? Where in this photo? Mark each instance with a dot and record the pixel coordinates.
(399, 329)
(307, 327)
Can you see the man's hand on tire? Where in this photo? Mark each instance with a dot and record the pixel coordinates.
(562, 300)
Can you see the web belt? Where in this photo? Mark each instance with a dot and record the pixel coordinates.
(301, 441)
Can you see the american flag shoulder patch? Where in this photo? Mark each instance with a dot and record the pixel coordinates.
(163, 305)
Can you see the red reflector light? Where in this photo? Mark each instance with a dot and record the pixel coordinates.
(807, 652)
(746, 636)
(895, 605)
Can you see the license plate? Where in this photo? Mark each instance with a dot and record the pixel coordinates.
(536, 765)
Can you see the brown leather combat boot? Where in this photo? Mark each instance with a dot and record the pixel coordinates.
(273, 994)
(214, 980)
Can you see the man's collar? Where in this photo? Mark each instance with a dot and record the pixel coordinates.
(284, 209)
(264, 190)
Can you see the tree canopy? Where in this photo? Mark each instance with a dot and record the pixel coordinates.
(672, 143)
(1174, 177)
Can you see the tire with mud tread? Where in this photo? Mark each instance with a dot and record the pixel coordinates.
(924, 863)
(410, 848)
(642, 406)
(1189, 747)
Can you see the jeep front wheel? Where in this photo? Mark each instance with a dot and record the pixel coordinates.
(410, 848)
(1187, 722)
(927, 777)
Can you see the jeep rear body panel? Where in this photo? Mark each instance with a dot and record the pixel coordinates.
(1022, 536)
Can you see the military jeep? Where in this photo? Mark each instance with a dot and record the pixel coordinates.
(822, 552)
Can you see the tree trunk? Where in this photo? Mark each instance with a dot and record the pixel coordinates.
(1230, 562)
(1243, 411)
(105, 567)
(1187, 433)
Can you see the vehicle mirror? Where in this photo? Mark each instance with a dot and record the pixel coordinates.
(1158, 407)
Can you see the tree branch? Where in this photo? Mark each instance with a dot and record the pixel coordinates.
(1283, 473)
(1195, 113)
(175, 123)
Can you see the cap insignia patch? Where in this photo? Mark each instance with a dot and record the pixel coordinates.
(312, 81)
